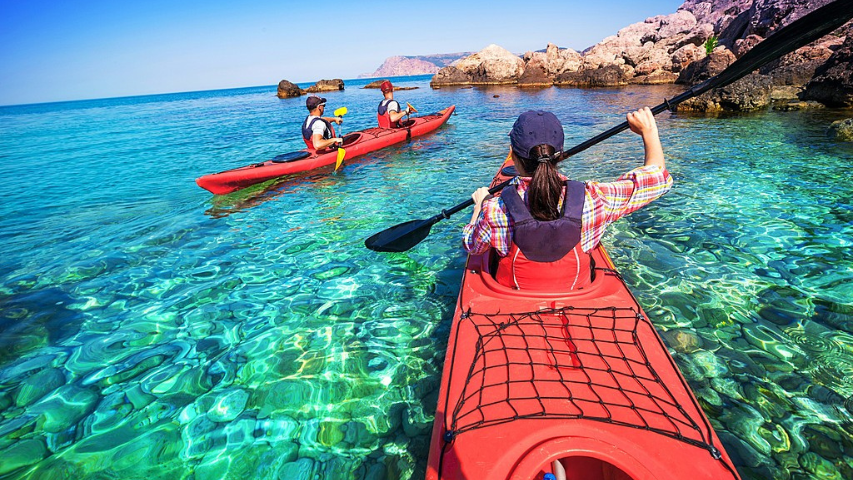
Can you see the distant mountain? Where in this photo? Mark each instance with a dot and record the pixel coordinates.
(414, 65)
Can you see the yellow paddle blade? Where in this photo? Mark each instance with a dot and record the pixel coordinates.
(340, 112)
(411, 108)
(341, 153)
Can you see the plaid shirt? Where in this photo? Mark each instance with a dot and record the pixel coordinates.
(604, 203)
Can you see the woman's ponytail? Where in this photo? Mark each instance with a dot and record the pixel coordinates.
(546, 186)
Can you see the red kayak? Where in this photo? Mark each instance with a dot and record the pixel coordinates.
(355, 144)
(581, 377)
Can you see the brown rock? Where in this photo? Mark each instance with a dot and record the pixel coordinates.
(535, 76)
(798, 105)
(608, 76)
(751, 92)
(326, 86)
(288, 90)
(657, 78)
(713, 64)
(842, 130)
(378, 83)
(832, 83)
(448, 76)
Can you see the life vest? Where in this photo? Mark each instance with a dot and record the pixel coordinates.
(545, 256)
(307, 132)
(384, 117)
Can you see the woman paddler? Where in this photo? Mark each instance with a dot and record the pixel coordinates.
(544, 226)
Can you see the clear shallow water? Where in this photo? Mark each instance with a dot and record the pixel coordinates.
(151, 330)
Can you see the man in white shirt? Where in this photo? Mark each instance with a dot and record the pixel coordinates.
(317, 130)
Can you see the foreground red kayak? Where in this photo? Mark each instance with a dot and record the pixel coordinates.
(355, 144)
(580, 377)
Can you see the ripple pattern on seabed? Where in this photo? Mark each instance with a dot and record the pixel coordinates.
(150, 330)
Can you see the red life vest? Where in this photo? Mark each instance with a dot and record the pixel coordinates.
(383, 116)
(546, 256)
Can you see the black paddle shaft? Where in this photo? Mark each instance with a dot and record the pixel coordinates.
(801, 32)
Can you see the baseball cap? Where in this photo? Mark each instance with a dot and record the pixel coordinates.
(534, 128)
(313, 101)
(386, 86)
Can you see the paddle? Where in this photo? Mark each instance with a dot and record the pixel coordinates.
(803, 31)
(341, 152)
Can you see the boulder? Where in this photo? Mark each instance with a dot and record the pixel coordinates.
(607, 76)
(535, 76)
(326, 86)
(711, 65)
(288, 90)
(449, 76)
(842, 130)
(378, 83)
(751, 92)
(492, 65)
(832, 83)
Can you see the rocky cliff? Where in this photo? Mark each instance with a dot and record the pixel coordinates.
(682, 47)
(414, 65)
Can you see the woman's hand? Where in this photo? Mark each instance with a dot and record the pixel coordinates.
(642, 122)
(478, 196)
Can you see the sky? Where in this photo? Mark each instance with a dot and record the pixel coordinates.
(59, 50)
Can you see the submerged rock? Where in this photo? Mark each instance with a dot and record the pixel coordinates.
(842, 130)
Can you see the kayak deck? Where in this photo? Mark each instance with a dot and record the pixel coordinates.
(581, 377)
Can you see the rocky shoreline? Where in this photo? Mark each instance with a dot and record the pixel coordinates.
(698, 41)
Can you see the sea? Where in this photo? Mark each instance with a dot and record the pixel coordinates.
(152, 330)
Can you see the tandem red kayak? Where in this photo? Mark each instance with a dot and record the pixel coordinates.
(355, 144)
(581, 378)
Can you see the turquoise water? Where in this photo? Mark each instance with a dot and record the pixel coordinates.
(152, 330)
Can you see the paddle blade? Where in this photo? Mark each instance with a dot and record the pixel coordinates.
(411, 108)
(340, 160)
(340, 112)
(399, 238)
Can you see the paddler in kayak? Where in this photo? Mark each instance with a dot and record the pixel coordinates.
(317, 130)
(544, 226)
(389, 111)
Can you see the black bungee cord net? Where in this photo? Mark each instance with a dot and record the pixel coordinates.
(562, 363)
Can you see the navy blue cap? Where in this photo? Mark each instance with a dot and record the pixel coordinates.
(313, 101)
(534, 128)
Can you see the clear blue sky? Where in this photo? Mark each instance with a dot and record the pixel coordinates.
(52, 50)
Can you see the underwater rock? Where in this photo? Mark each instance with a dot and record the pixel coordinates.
(819, 466)
(228, 405)
(841, 130)
(21, 454)
(302, 469)
(683, 341)
(39, 385)
(65, 408)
